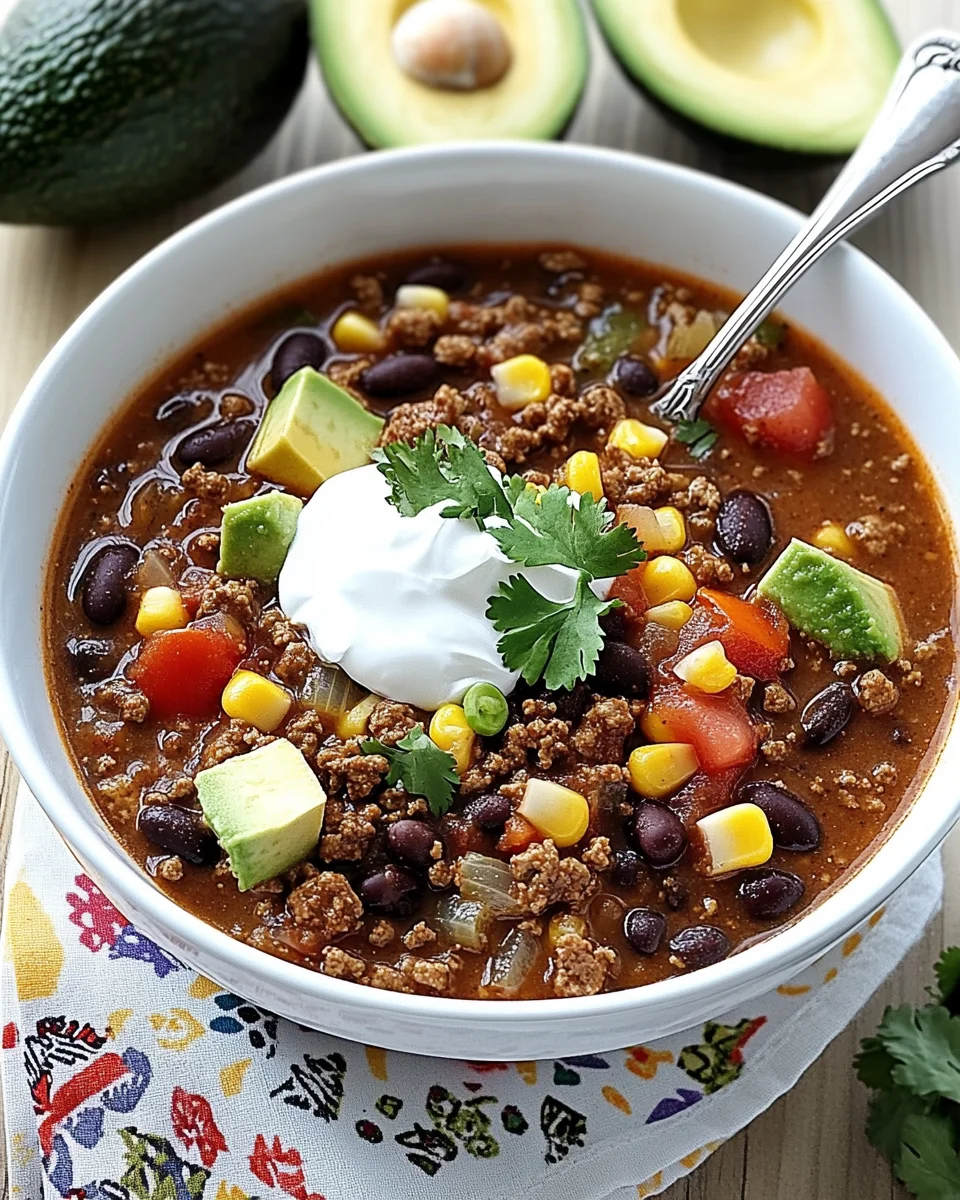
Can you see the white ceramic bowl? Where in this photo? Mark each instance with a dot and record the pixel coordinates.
(428, 197)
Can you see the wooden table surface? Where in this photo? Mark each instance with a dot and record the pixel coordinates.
(810, 1145)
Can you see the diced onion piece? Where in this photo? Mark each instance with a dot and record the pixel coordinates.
(661, 530)
(487, 880)
(154, 571)
(465, 922)
(509, 967)
(736, 838)
(329, 691)
(687, 341)
(555, 811)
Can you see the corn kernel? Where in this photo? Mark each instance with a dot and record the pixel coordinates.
(354, 722)
(160, 608)
(660, 530)
(672, 615)
(451, 731)
(736, 838)
(562, 923)
(707, 668)
(665, 579)
(582, 474)
(654, 728)
(661, 770)
(258, 701)
(833, 538)
(356, 334)
(419, 295)
(673, 529)
(636, 439)
(521, 381)
(554, 811)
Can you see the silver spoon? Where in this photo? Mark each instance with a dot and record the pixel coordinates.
(915, 134)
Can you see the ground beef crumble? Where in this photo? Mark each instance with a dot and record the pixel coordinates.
(342, 765)
(601, 735)
(208, 485)
(238, 598)
(390, 722)
(339, 964)
(408, 421)
(347, 832)
(326, 905)
(541, 878)
(580, 968)
(876, 693)
(131, 704)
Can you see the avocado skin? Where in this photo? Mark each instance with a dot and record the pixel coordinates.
(110, 108)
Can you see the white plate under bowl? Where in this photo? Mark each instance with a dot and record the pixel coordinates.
(430, 197)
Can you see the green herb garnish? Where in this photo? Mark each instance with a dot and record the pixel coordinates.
(611, 334)
(913, 1067)
(771, 333)
(558, 640)
(698, 436)
(420, 766)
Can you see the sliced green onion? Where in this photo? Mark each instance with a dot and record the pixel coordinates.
(485, 708)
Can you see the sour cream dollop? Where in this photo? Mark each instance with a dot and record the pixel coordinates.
(399, 602)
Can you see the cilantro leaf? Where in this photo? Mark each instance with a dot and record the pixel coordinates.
(698, 436)
(771, 332)
(888, 1112)
(928, 1164)
(874, 1065)
(947, 971)
(559, 640)
(441, 465)
(549, 530)
(420, 766)
(926, 1046)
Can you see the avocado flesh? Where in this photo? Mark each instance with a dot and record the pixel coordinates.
(535, 99)
(312, 429)
(266, 808)
(110, 109)
(800, 75)
(852, 614)
(256, 534)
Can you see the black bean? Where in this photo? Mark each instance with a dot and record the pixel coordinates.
(744, 528)
(215, 443)
(297, 350)
(614, 623)
(571, 705)
(400, 375)
(393, 891)
(411, 842)
(626, 868)
(443, 273)
(489, 812)
(634, 376)
(622, 671)
(700, 946)
(91, 658)
(768, 893)
(793, 825)
(180, 831)
(104, 587)
(644, 929)
(659, 833)
(827, 713)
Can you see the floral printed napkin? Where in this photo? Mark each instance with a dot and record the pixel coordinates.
(126, 1076)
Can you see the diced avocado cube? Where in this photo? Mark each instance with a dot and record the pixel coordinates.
(256, 535)
(311, 430)
(852, 614)
(266, 809)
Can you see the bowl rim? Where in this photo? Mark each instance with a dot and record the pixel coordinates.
(782, 953)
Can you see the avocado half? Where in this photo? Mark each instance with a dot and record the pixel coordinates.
(535, 99)
(797, 75)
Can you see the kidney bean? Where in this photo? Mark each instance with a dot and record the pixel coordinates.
(443, 273)
(400, 375)
(392, 891)
(104, 587)
(622, 671)
(411, 842)
(489, 812)
(744, 527)
(659, 834)
(634, 376)
(644, 929)
(700, 946)
(91, 658)
(827, 713)
(180, 831)
(215, 443)
(793, 825)
(626, 868)
(768, 893)
(297, 350)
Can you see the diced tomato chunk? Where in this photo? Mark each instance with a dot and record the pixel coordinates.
(718, 727)
(629, 589)
(755, 634)
(788, 411)
(704, 794)
(183, 672)
(517, 835)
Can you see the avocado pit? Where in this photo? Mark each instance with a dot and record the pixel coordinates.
(452, 44)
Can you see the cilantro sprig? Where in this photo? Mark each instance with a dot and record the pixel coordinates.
(698, 436)
(913, 1066)
(420, 766)
(558, 640)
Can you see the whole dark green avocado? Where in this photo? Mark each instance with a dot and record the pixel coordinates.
(112, 107)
